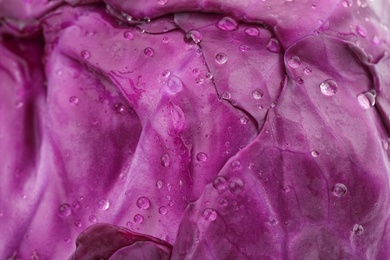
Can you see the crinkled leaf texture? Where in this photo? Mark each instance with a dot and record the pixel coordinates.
(210, 129)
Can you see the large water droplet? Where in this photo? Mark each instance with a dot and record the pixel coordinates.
(64, 210)
(227, 24)
(209, 214)
(73, 100)
(220, 183)
(252, 32)
(138, 219)
(339, 190)
(194, 35)
(163, 210)
(329, 87)
(128, 35)
(236, 186)
(367, 99)
(257, 94)
(273, 45)
(165, 160)
(103, 204)
(221, 58)
(174, 84)
(294, 62)
(149, 52)
(358, 229)
(85, 54)
(201, 157)
(143, 203)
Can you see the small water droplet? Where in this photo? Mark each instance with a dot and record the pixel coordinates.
(201, 157)
(73, 100)
(76, 205)
(227, 24)
(199, 80)
(252, 32)
(273, 221)
(307, 71)
(329, 87)
(143, 203)
(273, 45)
(223, 202)
(209, 214)
(315, 153)
(128, 35)
(220, 183)
(165, 40)
(235, 165)
(347, 3)
(273, 104)
(138, 219)
(194, 36)
(166, 73)
(119, 107)
(64, 210)
(300, 81)
(147, 19)
(165, 160)
(221, 58)
(162, 2)
(339, 190)
(78, 223)
(129, 224)
(174, 84)
(294, 62)
(92, 219)
(257, 94)
(244, 120)
(244, 48)
(367, 99)
(103, 204)
(361, 31)
(159, 184)
(209, 75)
(149, 52)
(358, 229)
(226, 96)
(236, 186)
(163, 210)
(85, 54)
(59, 72)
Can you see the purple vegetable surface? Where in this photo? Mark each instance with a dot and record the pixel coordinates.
(217, 129)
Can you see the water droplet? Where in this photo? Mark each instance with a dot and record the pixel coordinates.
(209, 75)
(252, 32)
(315, 153)
(244, 120)
(149, 52)
(300, 81)
(273, 221)
(347, 3)
(329, 87)
(294, 62)
(64, 210)
(138, 219)
(162, 2)
(257, 94)
(166, 73)
(209, 214)
(119, 107)
(76, 205)
(165, 40)
(165, 160)
(220, 184)
(286, 189)
(223, 202)
(143, 203)
(244, 48)
(59, 72)
(73, 100)
(147, 19)
(92, 219)
(175, 85)
(307, 71)
(234, 165)
(367, 99)
(129, 224)
(339, 190)
(199, 80)
(159, 184)
(163, 210)
(221, 58)
(201, 157)
(103, 204)
(358, 229)
(361, 31)
(226, 95)
(78, 223)
(273, 45)
(196, 71)
(236, 186)
(227, 24)
(85, 54)
(273, 104)
(194, 35)
(128, 35)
